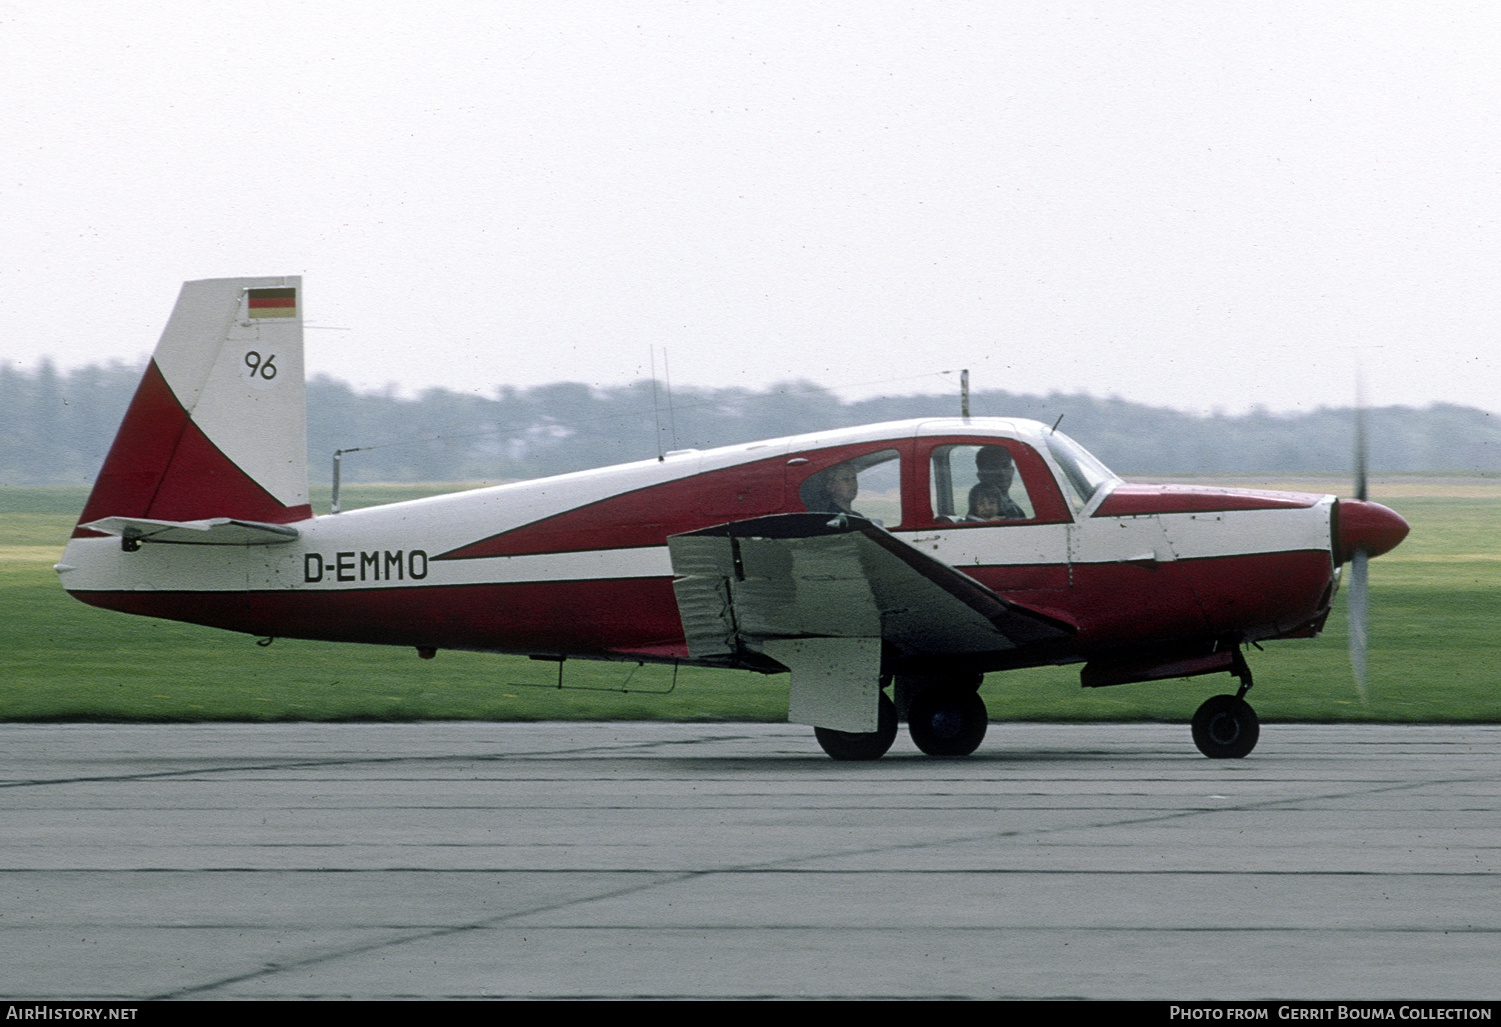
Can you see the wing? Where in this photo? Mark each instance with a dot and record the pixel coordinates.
(740, 586)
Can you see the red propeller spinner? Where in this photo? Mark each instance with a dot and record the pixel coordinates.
(1369, 527)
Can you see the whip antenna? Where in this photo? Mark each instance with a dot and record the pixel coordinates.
(672, 420)
(655, 409)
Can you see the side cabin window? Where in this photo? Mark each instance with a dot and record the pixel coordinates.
(992, 483)
(869, 485)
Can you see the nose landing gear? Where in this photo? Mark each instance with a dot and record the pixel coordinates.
(1226, 727)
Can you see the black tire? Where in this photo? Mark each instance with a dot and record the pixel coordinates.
(1226, 728)
(910, 686)
(947, 723)
(846, 745)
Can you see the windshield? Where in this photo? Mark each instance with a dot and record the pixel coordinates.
(1083, 473)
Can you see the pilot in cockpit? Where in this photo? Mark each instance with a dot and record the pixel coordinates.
(990, 499)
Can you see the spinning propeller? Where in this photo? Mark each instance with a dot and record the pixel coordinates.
(1360, 582)
(1365, 530)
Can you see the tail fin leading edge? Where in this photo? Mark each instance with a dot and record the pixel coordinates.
(218, 425)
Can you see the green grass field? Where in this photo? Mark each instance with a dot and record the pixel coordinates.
(1436, 605)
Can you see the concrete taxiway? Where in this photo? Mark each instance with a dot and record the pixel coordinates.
(458, 860)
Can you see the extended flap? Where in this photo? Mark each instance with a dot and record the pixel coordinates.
(809, 575)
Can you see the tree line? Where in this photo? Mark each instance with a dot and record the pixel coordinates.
(56, 426)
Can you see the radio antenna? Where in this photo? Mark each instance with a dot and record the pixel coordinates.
(655, 409)
(672, 419)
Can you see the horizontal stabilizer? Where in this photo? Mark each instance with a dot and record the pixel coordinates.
(213, 531)
(809, 576)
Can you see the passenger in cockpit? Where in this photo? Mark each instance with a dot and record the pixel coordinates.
(989, 503)
(843, 485)
(834, 490)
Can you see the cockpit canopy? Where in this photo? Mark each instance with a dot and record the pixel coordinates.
(972, 476)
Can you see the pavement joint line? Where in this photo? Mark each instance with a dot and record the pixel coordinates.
(759, 870)
(274, 969)
(443, 932)
(970, 837)
(342, 762)
(509, 757)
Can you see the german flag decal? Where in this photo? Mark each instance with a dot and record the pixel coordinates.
(273, 302)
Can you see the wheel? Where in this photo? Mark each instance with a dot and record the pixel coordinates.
(846, 745)
(1225, 728)
(910, 686)
(947, 723)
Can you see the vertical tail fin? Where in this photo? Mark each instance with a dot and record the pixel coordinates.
(218, 425)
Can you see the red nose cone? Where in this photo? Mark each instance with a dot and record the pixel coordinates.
(1368, 526)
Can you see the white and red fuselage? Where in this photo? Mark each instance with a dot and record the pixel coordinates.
(1144, 581)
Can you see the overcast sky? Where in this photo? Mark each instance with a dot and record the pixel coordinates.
(1197, 205)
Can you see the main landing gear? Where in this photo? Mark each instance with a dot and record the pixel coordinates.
(1225, 727)
(847, 745)
(947, 722)
(945, 716)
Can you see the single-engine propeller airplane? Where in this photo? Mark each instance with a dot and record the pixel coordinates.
(926, 553)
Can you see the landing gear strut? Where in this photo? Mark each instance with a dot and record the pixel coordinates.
(1226, 727)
